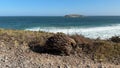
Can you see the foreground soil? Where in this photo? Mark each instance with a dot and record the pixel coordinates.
(22, 57)
(16, 53)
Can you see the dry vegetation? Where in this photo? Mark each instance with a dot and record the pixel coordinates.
(99, 50)
(43, 42)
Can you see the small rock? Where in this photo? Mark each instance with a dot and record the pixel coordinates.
(100, 66)
(87, 66)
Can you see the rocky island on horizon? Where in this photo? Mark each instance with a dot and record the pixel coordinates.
(73, 15)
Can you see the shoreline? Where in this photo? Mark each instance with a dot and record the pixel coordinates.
(103, 32)
(24, 49)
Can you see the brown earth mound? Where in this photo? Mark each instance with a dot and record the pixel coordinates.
(61, 42)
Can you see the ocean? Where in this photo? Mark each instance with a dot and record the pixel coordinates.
(103, 27)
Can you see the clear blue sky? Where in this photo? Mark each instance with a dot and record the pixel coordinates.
(58, 7)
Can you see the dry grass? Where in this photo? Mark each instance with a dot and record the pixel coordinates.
(99, 50)
(23, 36)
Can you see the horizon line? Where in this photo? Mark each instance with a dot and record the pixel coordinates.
(50, 15)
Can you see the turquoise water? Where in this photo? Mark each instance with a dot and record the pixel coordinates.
(91, 26)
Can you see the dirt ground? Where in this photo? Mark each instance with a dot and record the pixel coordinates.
(22, 57)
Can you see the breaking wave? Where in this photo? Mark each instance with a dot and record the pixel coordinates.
(102, 32)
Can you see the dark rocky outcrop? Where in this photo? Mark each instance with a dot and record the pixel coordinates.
(62, 43)
(115, 39)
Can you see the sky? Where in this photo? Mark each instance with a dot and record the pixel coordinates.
(59, 7)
